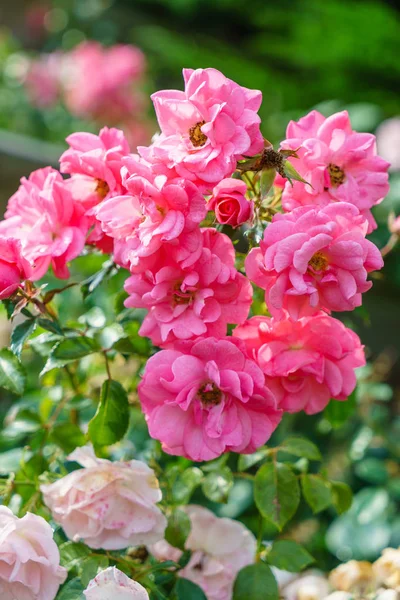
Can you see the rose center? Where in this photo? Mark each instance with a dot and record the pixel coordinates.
(318, 262)
(336, 175)
(102, 188)
(196, 136)
(209, 394)
(180, 297)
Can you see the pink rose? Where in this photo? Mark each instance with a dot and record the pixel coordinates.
(314, 259)
(306, 362)
(207, 128)
(230, 204)
(13, 267)
(206, 397)
(109, 505)
(199, 300)
(388, 142)
(339, 163)
(29, 558)
(51, 227)
(112, 583)
(220, 549)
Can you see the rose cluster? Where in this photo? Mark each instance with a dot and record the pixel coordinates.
(207, 392)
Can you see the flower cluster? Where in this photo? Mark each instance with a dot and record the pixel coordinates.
(207, 392)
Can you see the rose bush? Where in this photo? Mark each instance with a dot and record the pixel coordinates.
(168, 383)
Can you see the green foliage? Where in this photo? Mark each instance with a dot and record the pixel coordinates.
(111, 421)
(178, 529)
(276, 493)
(255, 582)
(317, 492)
(12, 374)
(187, 590)
(289, 556)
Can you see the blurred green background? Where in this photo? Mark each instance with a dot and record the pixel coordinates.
(330, 54)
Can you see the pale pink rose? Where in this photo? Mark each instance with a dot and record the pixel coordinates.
(206, 397)
(51, 227)
(14, 268)
(230, 204)
(339, 163)
(314, 259)
(308, 586)
(199, 300)
(306, 362)
(155, 211)
(207, 128)
(29, 558)
(98, 82)
(220, 549)
(388, 142)
(112, 583)
(109, 505)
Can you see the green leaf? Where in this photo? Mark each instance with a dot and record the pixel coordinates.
(185, 484)
(68, 436)
(12, 374)
(255, 582)
(249, 460)
(51, 326)
(217, 484)
(339, 411)
(301, 447)
(71, 554)
(178, 529)
(289, 556)
(69, 350)
(111, 421)
(317, 492)
(72, 590)
(266, 181)
(342, 496)
(276, 493)
(89, 567)
(187, 590)
(20, 334)
(291, 173)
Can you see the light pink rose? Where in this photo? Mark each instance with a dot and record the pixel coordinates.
(51, 227)
(14, 268)
(314, 259)
(155, 211)
(220, 549)
(206, 128)
(112, 583)
(339, 163)
(199, 300)
(230, 204)
(388, 142)
(29, 558)
(206, 397)
(306, 362)
(109, 505)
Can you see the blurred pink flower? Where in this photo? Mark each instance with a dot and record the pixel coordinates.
(220, 548)
(42, 80)
(206, 128)
(206, 397)
(339, 163)
(109, 505)
(230, 204)
(388, 142)
(312, 259)
(112, 583)
(306, 362)
(52, 227)
(199, 300)
(29, 558)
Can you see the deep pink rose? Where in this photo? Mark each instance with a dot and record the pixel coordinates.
(339, 163)
(220, 549)
(29, 558)
(205, 398)
(207, 128)
(50, 225)
(314, 259)
(109, 505)
(306, 362)
(14, 268)
(199, 300)
(230, 204)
